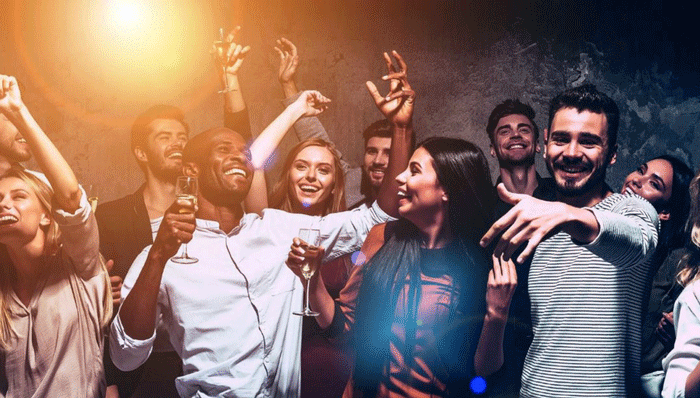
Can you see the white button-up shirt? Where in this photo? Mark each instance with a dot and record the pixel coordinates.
(229, 316)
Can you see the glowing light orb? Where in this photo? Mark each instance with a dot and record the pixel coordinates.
(358, 258)
(127, 14)
(478, 385)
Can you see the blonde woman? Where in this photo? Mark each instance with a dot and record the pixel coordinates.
(682, 365)
(54, 291)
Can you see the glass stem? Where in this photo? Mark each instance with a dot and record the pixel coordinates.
(184, 249)
(306, 306)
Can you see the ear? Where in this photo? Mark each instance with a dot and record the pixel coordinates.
(190, 169)
(613, 156)
(544, 143)
(45, 220)
(664, 215)
(445, 198)
(493, 151)
(140, 154)
(538, 149)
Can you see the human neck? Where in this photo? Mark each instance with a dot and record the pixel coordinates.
(587, 199)
(228, 216)
(158, 195)
(520, 179)
(29, 265)
(436, 233)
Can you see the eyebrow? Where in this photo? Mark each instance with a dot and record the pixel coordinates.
(519, 126)
(414, 163)
(660, 180)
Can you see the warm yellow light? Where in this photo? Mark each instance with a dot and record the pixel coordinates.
(127, 13)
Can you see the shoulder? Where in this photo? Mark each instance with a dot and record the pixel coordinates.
(375, 239)
(117, 206)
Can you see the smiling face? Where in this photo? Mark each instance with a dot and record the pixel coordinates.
(577, 152)
(514, 141)
(422, 198)
(312, 180)
(376, 159)
(653, 181)
(12, 145)
(21, 212)
(225, 172)
(163, 151)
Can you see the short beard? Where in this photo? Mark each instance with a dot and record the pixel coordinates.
(568, 190)
(166, 174)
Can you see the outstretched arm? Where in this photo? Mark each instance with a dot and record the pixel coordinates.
(397, 108)
(532, 220)
(66, 190)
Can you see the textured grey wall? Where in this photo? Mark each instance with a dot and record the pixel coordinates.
(459, 68)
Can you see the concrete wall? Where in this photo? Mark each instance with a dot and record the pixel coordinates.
(459, 64)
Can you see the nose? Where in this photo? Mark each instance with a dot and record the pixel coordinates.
(637, 181)
(6, 202)
(401, 178)
(310, 174)
(572, 150)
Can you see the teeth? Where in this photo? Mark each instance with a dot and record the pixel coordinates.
(309, 188)
(238, 171)
(629, 191)
(22, 140)
(402, 194)
(8, 219)
(175, 155)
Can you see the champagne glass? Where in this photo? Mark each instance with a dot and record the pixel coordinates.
(311, 240)
(93, 196)
(221, 54)
(186, 189)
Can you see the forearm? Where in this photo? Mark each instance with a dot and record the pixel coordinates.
(256, 199)
(398, 160)
(582, 224)
(138, 311)
(289, 88)
(233, 98)
(268, 140)
(65, 185)
(321, 302)
(488, 358)
(692, 383)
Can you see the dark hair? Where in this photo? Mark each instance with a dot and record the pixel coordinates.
(280, 198)
(673, 234)
(507, 108)
(463, 172)
(139, 130)
(588, 98)
(689, 264)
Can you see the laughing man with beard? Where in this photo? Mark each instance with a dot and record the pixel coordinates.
(587, 276)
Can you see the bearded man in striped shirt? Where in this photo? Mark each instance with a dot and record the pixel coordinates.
(587, 277)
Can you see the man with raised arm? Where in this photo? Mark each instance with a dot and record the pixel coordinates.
(129, 224)
(229, 316)
(588, 272)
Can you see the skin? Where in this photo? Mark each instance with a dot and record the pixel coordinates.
(13, 147)
(163, 152)
(312, 169)
(515, 146)
(577, 154)
(376, 160)
(653, 181)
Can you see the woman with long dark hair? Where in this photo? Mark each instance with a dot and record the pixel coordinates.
(421, 337)
(54, 291)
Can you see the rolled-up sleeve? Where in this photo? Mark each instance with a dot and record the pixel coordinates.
(128, 353)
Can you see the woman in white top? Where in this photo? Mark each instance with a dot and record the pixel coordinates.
(54, 291)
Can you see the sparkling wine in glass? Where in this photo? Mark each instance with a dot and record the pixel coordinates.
(221, 54)
(311, 240)
(93, 196)
(186, 189)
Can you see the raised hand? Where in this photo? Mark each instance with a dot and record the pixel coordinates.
(311, 103)
(10, 97)
(298, 255)
(289, 60)
(500, 287)
(397, 105)
(530, 220)
(230, 57)
(177, 228)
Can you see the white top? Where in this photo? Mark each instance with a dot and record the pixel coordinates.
(229, 316)
(586, 305)
(686, 351)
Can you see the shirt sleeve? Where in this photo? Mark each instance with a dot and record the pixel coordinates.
(343, 233)
(79, 238)
(129, 353)
(686, 351)
(628, 232)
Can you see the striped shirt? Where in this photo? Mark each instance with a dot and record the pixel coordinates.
(586, 305)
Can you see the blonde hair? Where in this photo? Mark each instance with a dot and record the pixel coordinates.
(281, 196)
(52, 253)
(690, 263)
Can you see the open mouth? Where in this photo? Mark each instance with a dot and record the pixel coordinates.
(236, 171)
(8, 219)
(309, 188)
(175, 155)
(629, 191)
(377, 173)
(403, 195)
(517, 145)
(578, 169)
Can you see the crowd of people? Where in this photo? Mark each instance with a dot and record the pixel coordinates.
(432, 280)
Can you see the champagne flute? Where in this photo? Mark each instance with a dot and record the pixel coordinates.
(221, 54)
(186, 189)
(311, 240)
(93, 196)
